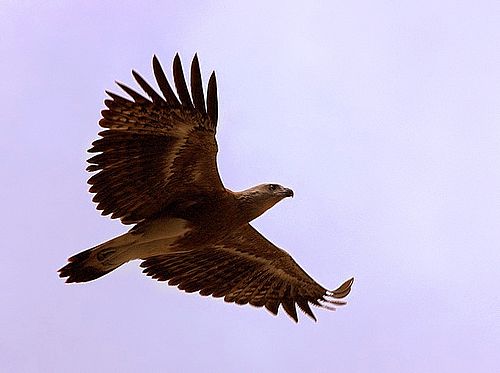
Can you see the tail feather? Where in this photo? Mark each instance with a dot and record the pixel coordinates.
(81, 268)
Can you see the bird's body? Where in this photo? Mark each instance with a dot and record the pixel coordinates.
(157, 169)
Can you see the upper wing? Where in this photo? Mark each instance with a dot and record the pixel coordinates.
(245, 268)
(158, 151)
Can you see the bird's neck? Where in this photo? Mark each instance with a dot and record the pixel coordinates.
(251, 205)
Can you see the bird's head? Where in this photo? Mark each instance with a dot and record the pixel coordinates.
(258, 199)
(275, 191)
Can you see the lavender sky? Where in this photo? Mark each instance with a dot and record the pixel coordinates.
(383, 116)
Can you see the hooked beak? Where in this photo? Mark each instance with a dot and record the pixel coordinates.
(288, 192)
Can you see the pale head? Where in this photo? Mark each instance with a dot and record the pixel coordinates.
(256, 200)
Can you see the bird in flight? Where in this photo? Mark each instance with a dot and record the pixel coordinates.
(155, 167)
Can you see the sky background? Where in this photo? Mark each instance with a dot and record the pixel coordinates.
(382, 116)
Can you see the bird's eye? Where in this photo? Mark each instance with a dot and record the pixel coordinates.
(272, 187)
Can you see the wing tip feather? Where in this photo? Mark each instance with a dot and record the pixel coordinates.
(343, 290)
(212, 100)
(197, 86)
(180, 83)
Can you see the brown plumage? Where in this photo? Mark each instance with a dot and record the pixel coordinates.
(156, 168)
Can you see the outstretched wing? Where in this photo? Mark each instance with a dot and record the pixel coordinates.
(245, 268)
(158, 151)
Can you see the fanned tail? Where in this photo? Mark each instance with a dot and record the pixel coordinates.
(95, 262)
(84, 267)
